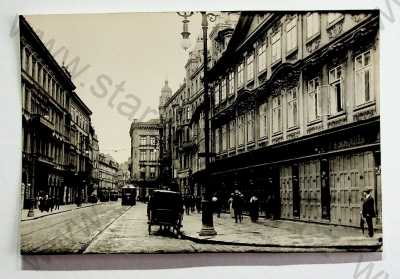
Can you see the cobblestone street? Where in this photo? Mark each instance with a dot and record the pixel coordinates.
(112, 228)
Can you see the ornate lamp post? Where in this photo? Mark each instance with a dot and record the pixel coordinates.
(207, 210)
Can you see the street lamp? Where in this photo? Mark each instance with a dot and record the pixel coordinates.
(207, 210)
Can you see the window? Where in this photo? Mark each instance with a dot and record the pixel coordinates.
(276, 114)
(250, 67)
(153, 141)
(291, 35)
(240, 75)
(313, 91)
(152, 155)
(276, 47)
(216, 94)
(313, 25)
(232, 134)
(250, 126)
(263, 120)
(335, 90)
(217, 141)
(241, 130)
(262, 58)
(26, 56)
(224, 138)
(152, 172)
(231, 83)
(142, 155)
(363, 76)
(142, 173)
(143, 140)
(332, 17)
(223, 89)
(34, 70)
(188, 113)
(292, 107)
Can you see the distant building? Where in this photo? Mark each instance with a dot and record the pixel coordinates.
(123, 175)
(144, 165)
(108, 169)
(94, 149)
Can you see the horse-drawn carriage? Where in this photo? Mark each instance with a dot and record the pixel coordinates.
(165, 209)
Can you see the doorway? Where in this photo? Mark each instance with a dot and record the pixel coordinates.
(296, 191)
(325, 190)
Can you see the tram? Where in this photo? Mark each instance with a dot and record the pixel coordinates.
(113, 195)
(128, 196)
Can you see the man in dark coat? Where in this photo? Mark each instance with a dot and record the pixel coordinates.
(368, 212)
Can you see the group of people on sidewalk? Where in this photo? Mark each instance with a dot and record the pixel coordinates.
(192, 204)
(236, 205)
(46, 203)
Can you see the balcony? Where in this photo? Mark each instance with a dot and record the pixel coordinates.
(43, 121)
(189, 145)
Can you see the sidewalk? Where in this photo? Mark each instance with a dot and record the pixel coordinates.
(63, 208)
(280, 233)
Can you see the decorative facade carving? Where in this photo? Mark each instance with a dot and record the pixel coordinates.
(335, 30)
(337, 121)
(293, 134)
(365, 114)
(313, 45)
(314, 128)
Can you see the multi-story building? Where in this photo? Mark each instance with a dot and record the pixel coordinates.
(55, 125)
(94, 147)
(80, 150)
(108, 169)
(46, 93)
(123, 175)
(295, 114)
(145, 146)
(182, 115)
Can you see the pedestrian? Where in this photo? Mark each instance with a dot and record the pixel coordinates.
(187, 204)
(362, 220)
(253, 208)
(237, 206)
(230, 204)
(57, 204)
(51, 204)
(192, 204)
(46, 203)
(368, 211)
(215, 205)
(198, 204)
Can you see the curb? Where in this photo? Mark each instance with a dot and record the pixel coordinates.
(361, 248)
(58, 212)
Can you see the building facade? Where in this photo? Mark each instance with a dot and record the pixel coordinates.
(50, 143)
(80, 161)
(46, 94)
(108, 169)
(182, 116)
(145, 146)
(295, 114)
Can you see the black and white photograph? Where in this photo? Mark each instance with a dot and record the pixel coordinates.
(200, 132)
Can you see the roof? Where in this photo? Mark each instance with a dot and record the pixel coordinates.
(28, 32)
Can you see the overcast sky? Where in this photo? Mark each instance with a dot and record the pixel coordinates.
(120, 64)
